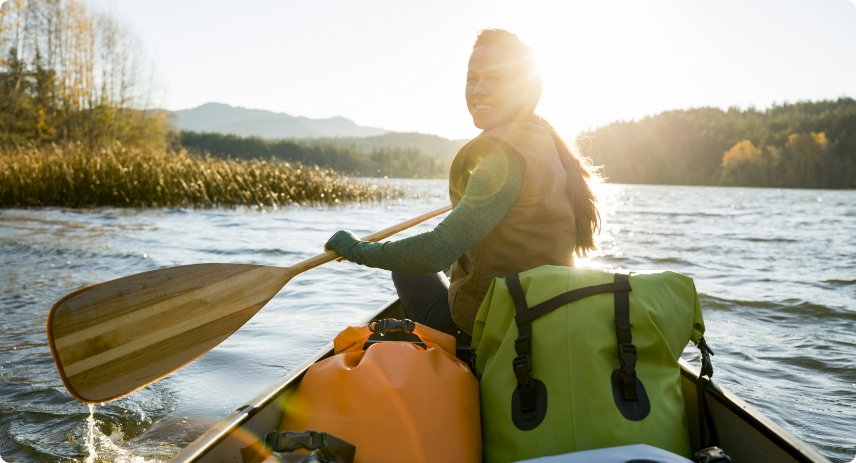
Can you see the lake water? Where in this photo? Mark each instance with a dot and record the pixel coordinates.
(776, 271)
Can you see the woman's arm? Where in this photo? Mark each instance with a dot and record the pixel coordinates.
(493, 186)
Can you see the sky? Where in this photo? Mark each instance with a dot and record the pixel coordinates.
(400, 65)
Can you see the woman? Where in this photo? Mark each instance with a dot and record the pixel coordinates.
(521, 199)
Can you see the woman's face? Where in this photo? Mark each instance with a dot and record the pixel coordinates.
(494, 93)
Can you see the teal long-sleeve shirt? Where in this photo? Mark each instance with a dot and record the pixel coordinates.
(493, 186)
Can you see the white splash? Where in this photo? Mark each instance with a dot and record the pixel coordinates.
(90, 435)
(108, 449)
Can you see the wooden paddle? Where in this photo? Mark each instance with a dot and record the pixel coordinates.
(113, 338)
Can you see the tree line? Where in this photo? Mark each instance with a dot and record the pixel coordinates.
(800, 145)
(71, 73)
(383, 161)
(432, 145)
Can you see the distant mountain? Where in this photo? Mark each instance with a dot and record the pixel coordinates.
(222, 118)
(339, 131)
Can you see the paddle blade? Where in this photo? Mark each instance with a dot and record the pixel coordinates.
(113, 338)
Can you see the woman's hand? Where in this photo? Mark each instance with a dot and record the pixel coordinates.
(341, 259)
(342, 240)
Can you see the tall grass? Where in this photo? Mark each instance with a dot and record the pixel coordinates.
(76, 176)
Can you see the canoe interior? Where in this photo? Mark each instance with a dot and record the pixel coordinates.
(744, 433)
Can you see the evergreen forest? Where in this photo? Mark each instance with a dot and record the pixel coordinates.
(799, 145)
(337, 154)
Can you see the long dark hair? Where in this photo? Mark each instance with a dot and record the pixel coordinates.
(577, 167)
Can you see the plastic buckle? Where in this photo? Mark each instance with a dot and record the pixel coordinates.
(324, 445)
(523, 343)
(391, 325)
(623, 324)
(627, 355)
(288, 441)
(522, 365)
(309, 440)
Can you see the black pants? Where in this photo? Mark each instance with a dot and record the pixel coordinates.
(425, 298)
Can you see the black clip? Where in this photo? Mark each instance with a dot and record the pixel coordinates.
(391, 325)
(292, 440)
(522, 365)
(523, 343)
(327, 446)
(627, 355)
(706, 364)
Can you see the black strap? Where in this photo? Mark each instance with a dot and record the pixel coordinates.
(530, 394)
(704, 378)
(567, 298)
(522, 364)
(627, 354)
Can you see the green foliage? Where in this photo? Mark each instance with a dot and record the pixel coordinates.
(80, 176)
(401, 162)
(70, 74)
(802, 163)
(432, 145)
(802, 145)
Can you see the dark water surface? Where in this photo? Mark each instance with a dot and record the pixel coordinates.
(776, 270)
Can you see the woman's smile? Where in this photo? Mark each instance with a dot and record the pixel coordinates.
(497, 92)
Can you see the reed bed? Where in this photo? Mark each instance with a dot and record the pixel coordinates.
(76, 176)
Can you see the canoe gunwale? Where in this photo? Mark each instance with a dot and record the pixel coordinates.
(795, 447)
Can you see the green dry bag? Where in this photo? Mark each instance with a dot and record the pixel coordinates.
(576, 359)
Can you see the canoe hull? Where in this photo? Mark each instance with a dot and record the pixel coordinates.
(744, 432)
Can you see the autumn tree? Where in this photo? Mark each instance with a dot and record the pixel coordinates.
(802, 145)
(72, 74)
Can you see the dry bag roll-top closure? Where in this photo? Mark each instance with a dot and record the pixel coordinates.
(393, 400)
(529, 399)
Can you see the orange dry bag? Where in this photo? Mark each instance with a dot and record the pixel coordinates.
(395, 401)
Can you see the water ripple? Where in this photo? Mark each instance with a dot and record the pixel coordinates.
(776, 275)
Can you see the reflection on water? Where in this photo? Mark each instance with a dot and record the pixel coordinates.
(776, 271)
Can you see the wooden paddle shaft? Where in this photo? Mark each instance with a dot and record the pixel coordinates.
(329, 256)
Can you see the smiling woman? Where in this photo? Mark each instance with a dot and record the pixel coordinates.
(521, 195)
(500, 85)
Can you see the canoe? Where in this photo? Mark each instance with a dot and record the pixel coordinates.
(744, 433)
